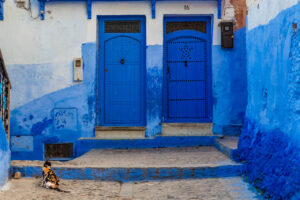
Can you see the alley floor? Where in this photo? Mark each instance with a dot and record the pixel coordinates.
(200, 189)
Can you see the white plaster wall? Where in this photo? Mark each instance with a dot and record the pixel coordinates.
(46, 49)
(59, 37)
(261, 12)
(228, 11)
(154, 26)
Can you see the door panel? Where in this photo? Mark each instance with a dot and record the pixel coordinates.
(187, 78)
(188, 109)
(122, 68)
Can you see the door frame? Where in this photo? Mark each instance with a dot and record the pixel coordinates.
(209, 29)
(100, 106)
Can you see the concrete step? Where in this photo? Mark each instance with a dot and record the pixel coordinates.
(127, 165)
(227, 145)
(187, 129)
(84, 145)
(103, 132)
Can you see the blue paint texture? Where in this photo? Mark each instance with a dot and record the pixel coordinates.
(70, 113)
(61, 116)
(4, 155)
(1, 9)
(270, 141)
(229, 86)
(135, 174)
(154, 89)
(21, 143)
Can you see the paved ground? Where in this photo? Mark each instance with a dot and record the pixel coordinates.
(201, 189)
(159, 157)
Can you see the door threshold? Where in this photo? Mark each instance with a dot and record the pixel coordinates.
(120, 128)
(187, 129)
(116, 132)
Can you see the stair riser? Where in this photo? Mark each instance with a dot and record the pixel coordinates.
(230, 153)
(86, 145)
(119, 134)
(135, 174)
(187, 129)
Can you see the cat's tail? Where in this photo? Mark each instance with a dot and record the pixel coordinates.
(59, 190)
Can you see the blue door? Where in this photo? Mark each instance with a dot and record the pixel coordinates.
(187, 70)
(121, 70)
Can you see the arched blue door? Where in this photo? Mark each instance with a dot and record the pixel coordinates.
(187, 75)
(121, 71)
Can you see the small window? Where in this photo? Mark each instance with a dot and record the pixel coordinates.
(177, 26)
(133, 26)
(63, 150)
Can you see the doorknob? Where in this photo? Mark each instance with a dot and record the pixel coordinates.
(185, 63)
(122, 61)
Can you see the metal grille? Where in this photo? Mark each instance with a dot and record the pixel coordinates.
(63, 150)
(133, 26)
(176, 26)
(4, 95)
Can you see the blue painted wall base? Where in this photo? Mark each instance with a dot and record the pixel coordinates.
(135, 174)
(4, 155)
(272, 161)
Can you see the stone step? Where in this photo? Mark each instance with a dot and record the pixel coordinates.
(84, 145)
(227, 145)
(187, 129)
(103, 132)
(127, 165)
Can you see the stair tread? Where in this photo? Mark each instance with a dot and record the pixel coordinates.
(183, 157)
(230, 142)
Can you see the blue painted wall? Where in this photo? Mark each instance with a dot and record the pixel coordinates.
(58, 117)
(270, 140)
(70, 113)
(154, 78)
(4, 155)
(229, 86)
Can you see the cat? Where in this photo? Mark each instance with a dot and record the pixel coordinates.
(50, 180)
